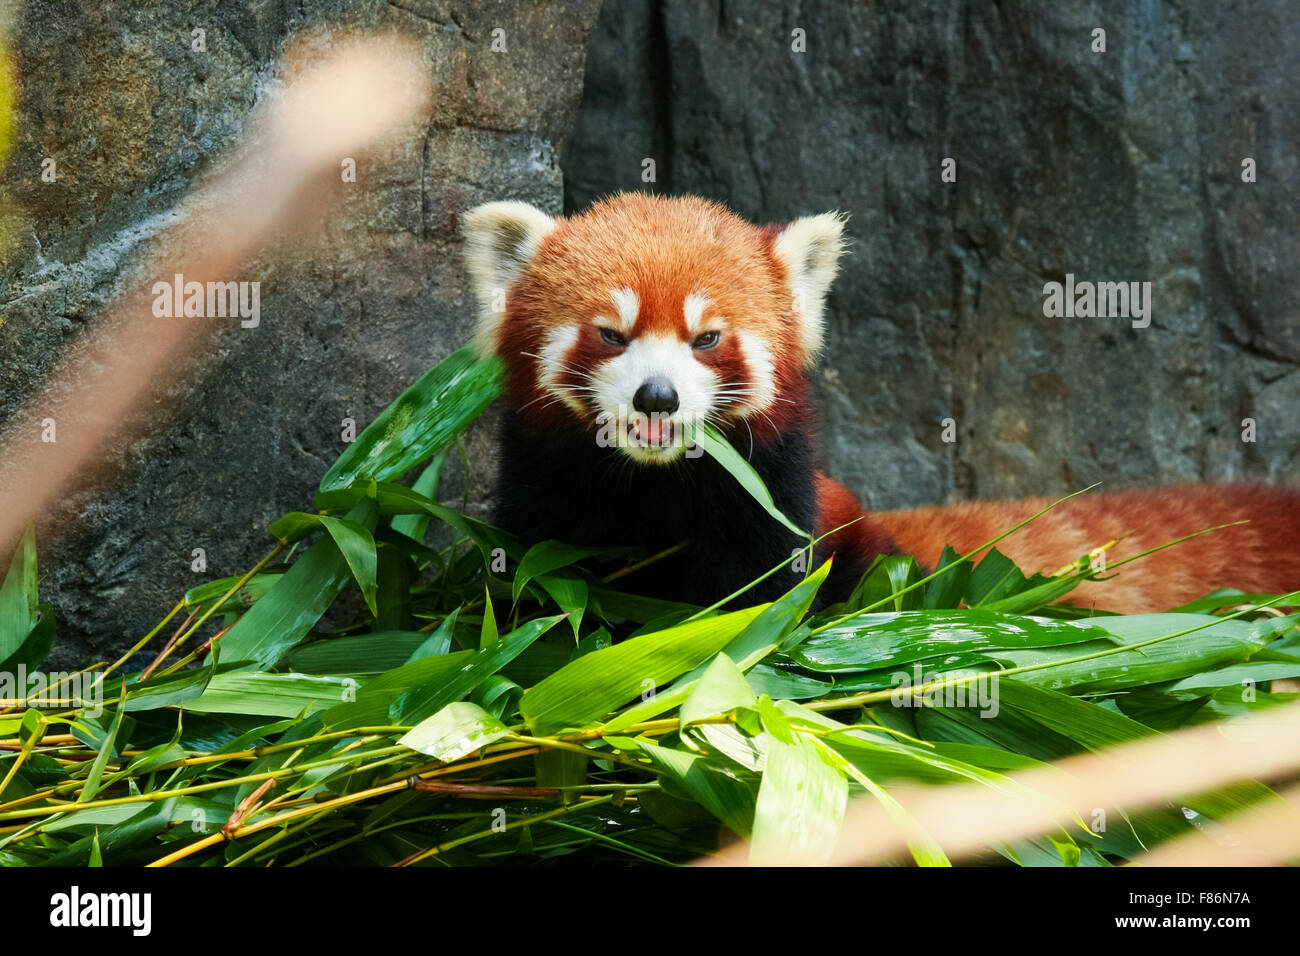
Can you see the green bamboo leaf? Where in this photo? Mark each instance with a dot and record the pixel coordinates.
(616, 607)
(801, 800)
(569, 594)
(423, 419)
(1206, 649)
(1032, 598)
(94, 779)
(376, 697)
(721, 451)
(285, 614)
(136, 829)
(488, 634)
(371, 653)
(946, 590)
(415, 526)
(160, 755)
(730, 800)
(582, 692)
(18, 600)
(117, 825)
(924, 849)
(883, 756)
(439, 642)
(781, 683)
(545, 557)
(33, 724)
(205, 595)
(889, 575)
(457, 730)
(270, 695)
(877, 641)
(720, 690)
(394, 499)
(1256, 673)
(497, 695)
(995, 577)
(354, 541)
(1223, 597)
(769, 630)
(426, 699)
(1096, 727)
(170, 690)
(33, 651)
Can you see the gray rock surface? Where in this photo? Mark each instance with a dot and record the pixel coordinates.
(1115, 166)
(132, 115)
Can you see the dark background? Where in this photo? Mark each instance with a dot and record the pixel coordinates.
(1115, 166)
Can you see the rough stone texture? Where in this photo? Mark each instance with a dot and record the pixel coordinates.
(132, 116)
(1123, 165)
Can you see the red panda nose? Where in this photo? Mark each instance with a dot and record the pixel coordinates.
(656, 395)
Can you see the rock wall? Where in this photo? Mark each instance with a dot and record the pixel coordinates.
(1123, 165)
(131, 113)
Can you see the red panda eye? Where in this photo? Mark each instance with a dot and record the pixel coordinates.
(610, 337)
(706, 340)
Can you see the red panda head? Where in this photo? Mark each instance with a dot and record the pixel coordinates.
(645, 314)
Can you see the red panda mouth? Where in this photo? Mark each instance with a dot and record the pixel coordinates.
(652, 431)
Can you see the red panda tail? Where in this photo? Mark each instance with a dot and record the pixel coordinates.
(1262, 556)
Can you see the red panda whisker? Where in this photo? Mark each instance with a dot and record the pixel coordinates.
(563, 366)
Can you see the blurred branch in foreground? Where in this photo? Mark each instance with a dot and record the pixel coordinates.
(331, 106)
(967, 818)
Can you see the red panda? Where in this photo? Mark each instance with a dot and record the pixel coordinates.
(621, 326)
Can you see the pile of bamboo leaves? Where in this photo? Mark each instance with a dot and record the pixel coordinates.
(484, 703)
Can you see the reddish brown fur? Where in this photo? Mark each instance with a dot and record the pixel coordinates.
(860, 538)
(664, 250)
(1262, 556)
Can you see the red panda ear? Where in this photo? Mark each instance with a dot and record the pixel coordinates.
(809, 248)
(501, 238)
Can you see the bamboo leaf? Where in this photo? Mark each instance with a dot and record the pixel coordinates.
(270, 695)
(582, 692)
(730, 800)
(545, 557)
(94, 778)
(925, 850)
(428, 698)
(801, 800)
(422, 420)
(18, 598)
(169, 691)
(354, 541)
(720, 450)
(415, 526)
(288, 610)
(767, 632)
(456, 731)
(878, 641)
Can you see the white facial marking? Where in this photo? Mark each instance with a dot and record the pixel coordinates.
(694, 307)
(761, 388)
(616, 381)
(629, 306)
(553, 364)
